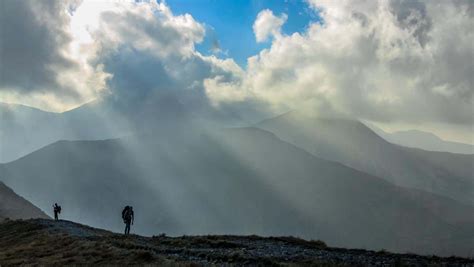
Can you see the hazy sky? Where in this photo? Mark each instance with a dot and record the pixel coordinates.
(398, 63)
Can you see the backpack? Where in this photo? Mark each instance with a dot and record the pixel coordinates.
(124, 212)
(59, 209)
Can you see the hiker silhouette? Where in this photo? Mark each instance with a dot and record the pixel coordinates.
(128, 217)
(57, 210)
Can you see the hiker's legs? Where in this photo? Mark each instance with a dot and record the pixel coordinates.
(127, 228)
(56, 216)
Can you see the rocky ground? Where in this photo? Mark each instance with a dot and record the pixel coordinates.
(46, 242)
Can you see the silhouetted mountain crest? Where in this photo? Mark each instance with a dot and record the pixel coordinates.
(12, 206)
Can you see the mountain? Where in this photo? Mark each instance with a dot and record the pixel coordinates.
(423, 140)
(12, 206)
(355, 145)
(237, 181)
(24, 129)
(21, 127)
(46, 242)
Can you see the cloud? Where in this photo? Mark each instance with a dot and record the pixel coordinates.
(387, 61)
(150, 52)
(77, 51)
(149, 26)
(38, 64)
(146, 48)
(215, 47)
(267, 25)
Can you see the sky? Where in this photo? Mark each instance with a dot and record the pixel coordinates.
(229, 23)
(396, 63)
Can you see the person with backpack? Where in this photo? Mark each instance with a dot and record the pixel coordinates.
(128, 217)
(56, 210)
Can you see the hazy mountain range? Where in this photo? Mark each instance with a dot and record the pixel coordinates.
(355, 145)
(24, 129)
(237, 181)
(423, 140)
(332, 179)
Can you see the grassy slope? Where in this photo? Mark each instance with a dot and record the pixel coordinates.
(42, 242)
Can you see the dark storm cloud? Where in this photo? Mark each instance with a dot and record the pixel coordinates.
(412, 14)
(32, 39)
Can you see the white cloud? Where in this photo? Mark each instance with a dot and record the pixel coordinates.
(149, 52)
(79, 50)
(404, 61)
(387, 61)
(149, 26)
(39, 67)
(267, 25)
(153, 49)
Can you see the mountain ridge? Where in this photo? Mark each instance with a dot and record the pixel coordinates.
(423, 140)
(357, 146)
(245, 179)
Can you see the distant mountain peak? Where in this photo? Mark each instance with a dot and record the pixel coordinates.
(423, 140)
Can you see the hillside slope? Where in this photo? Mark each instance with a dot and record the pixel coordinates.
(238, 181)
(45, 242)
(355, 145)
(12, 206)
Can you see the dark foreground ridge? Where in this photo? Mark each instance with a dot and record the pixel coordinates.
(44, 242)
